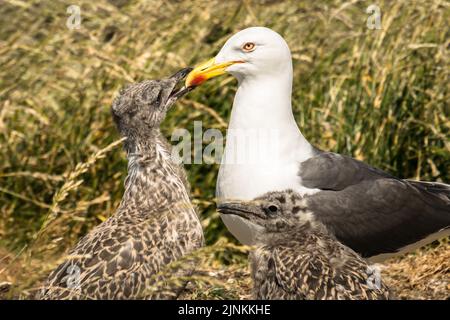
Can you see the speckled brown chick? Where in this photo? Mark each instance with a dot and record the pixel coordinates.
(297, 258)
(155, 223)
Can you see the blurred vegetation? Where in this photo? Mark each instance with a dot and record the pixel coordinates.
(378, 95)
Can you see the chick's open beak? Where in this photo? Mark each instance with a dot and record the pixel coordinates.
(207, 70)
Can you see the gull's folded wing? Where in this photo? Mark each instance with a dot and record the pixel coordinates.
(371, 211)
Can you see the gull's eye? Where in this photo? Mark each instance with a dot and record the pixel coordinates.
(272, 209)
(248, 47)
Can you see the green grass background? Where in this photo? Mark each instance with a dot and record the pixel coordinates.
(379, 95)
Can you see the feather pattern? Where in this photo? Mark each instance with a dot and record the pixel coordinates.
(154, 225)
(297, 257)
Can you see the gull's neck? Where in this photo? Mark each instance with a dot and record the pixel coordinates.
(264, 103)
(154, 181)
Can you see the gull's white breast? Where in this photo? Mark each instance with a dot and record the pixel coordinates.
(246, 181)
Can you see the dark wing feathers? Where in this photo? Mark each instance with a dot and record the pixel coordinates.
(99, 258)
(116, 261)
(370, 210)
(332, 171)
(441, 190)
(333, 272)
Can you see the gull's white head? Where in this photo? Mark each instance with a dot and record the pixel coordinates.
(261, 50)
(250, 53)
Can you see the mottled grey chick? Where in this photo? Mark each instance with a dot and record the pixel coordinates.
(297, 258)
(155, 223)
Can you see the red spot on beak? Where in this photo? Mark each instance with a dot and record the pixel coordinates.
(198, 80)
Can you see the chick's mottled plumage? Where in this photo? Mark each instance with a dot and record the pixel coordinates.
(297, 258)
(155, 223)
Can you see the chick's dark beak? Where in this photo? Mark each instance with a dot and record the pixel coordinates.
(243, 210)
(178, 91)
(181, 74)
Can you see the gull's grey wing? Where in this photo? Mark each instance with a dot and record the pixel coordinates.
(441, 190)
(371, 211)
(332, 171)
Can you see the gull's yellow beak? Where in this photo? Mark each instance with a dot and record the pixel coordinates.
(207, 70)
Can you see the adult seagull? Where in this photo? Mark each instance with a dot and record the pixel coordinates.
(371, 211)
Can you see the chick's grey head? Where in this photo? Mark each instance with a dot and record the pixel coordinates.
(273, 212)
(141, 107)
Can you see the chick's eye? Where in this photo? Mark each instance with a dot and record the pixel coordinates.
(272, 208)
(249, 47)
